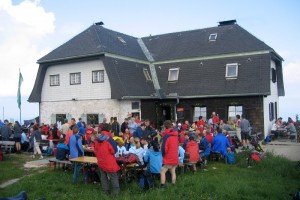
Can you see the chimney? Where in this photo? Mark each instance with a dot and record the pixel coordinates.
(228, 22)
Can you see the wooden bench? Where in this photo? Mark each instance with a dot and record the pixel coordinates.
(54, 161)
(7, 145)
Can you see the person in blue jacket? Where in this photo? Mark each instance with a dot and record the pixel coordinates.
(154, 157)
(204, 146)
(140, 131)
(220, 143)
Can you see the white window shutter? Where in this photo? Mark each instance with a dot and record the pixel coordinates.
(100, 118)
(84, 118)
(53, 119)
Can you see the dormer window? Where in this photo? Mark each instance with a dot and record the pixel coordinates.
(146, 74)
(173, 74)
(213, 37)
(231, 70)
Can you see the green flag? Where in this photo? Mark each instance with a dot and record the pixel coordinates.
(19, 89)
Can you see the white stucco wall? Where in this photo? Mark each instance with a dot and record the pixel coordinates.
(108, 107)
(84, 91)
(271, 98)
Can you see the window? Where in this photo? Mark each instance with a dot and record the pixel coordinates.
(61, 118)
(213, 37)
(232, 70)
(271, 111)
(135, 105)
(92, 119)
(122, 40)
(274, 77)
(146, 74)
(173, 74)
(54, 80)
(98, 76)
(233, 111)
(75, 78)
(276, 114)
(199, 111)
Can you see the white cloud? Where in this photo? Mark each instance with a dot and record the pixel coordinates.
(22, 27)
(289, 105)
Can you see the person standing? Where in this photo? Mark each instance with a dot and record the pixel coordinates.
(5, 132)
(245, 129)
(76, 150)
(169, 152)
(64, 129)
(124, 125)
(36, 137)
(105, 150)
(115, 127)
(17, 136)
(238, 127)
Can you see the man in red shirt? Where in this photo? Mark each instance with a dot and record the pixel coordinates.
(215, 120)
(201, 122)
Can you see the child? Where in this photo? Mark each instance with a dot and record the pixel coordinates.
(62, 151)
(121, 148)
(154, 157)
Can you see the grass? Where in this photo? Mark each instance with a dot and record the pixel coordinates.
(274, 178)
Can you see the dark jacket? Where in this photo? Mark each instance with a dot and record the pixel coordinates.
(5, 132)
(62, 151)
(138, 133)
(124, 126)
(17, 131)
(37, 135)
(115, 128)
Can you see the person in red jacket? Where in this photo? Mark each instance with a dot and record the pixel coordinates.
(169, 151)
(105, 150)
(193, 149)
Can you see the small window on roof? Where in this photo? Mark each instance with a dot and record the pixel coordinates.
(213, 37)
(173, 74)
(146, 74)
(231, 70)
(122, 40)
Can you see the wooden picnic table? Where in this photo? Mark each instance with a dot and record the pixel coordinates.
(85, 159)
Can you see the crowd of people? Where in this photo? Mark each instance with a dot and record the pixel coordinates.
(157, 151)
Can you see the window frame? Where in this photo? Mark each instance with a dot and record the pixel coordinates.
(204, 117)
(236, 73)
(75, 83)
(273, 75)
(99, 81)
(236, 112)
(213, 37)
(271, 111)
(173, 69)
(52, 76)
(146, 74)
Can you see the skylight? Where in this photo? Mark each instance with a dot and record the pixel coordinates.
(146, 74)
(121, 40)
(213, 37)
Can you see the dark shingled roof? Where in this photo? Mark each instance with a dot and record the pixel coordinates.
(96, 40)
(195, 43)
(195, 79)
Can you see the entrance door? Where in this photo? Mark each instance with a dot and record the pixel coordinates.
(166, 112)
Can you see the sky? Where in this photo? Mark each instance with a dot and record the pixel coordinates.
(29, 29)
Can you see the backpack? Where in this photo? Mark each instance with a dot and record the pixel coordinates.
(231, 159)
(255, 157)
(128, 158)
(146, 181)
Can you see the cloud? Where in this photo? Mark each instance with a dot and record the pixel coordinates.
(289, 105)
(22, 28)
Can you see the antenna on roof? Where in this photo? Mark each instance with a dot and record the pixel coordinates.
(99, 23)
(228, 22)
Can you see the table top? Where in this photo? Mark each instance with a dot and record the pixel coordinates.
(85, 159)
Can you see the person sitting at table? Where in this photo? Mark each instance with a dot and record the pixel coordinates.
(291, 130)
(88, 132)
(154, 157)
(129, 142)
(105, 150)
(92, 140)
(279, 122)
(137, 150)
(76, 150)
(220, 143)
(274, 129)
(145, 144)
(69, 134)
(121, 148)
(62, 150)
(126, 134)
(192, 148)
(204, 146)
(24, 140)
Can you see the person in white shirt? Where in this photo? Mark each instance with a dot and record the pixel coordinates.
(137, 150)
(274, 129)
